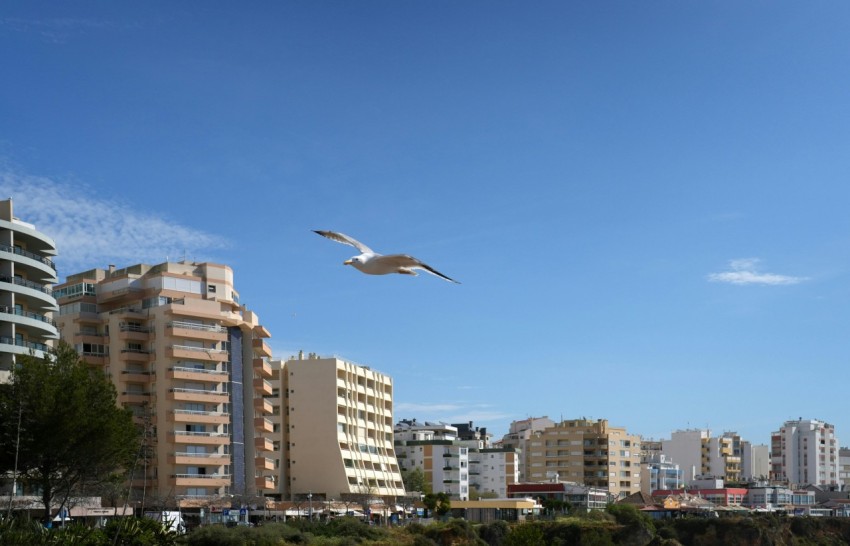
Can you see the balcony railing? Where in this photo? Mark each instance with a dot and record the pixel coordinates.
(136, 351)
(37, 257)
(200, 434)
(203, 476)
(134, 328)
(197, 370)
(21, 313)
(5, 340)
(198, 349)
(26, 283)
(193, 326)
(204, 413)
(207, 455)
(125, 310)
(197, 391)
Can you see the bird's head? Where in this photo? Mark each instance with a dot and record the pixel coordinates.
(355, 261)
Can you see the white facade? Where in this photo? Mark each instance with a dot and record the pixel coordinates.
(27, 303)
(755, 461)
(804, 452)
(844, 467)
(700, 455)
(435, 449)
(492, 470)
(685, 447)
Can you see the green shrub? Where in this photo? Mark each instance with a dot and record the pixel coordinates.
(525, 534)
(493, 533)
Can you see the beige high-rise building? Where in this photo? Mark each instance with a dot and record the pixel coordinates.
(587, 452)
(191, 362)
(336, 431)
(27, 304)
(518, 437)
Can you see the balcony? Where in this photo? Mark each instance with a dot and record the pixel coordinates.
(263, 368)
(24, 347)
(261, 347)
(263, 444)
(197, 374)
(199, 459)
(197, 353)
(41, 260)
(129, 311)
(200, 417)
(263, 386)
(264, 463)
(31, 287)
(135, 376)
(135, 355)
(134, 397)
(262, 424)
(265, 482)
(42, 323)
(197, 395)
(200, 438)
(200, 480)
(93, 359)
(191, 330)
(262, 405)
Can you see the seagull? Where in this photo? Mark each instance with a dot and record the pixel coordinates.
(372, 263)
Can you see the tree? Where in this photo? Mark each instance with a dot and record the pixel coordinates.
(73, 436)
(440, 503)
(414, 480)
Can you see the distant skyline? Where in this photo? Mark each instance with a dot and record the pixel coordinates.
(645, 203)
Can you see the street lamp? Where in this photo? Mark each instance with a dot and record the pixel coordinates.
(310, 500)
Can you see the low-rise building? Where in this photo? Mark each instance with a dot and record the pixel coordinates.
(577, 495)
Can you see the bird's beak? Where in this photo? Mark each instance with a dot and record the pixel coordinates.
(346, 262)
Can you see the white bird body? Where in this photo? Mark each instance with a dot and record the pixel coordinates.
(372, 263)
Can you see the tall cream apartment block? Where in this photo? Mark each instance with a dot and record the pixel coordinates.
(27, 304)
(191, 362)
(701, 455)
(336, 432)
(587, 452)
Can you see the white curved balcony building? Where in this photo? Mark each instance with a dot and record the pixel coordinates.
(27, 273)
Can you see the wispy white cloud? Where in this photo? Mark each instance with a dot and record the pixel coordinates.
(425, 408)
(745, 271)
(56, 29)
(92, 231)
(450, 412)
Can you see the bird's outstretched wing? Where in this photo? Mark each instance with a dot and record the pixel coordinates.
(346, 240)
(409, 262)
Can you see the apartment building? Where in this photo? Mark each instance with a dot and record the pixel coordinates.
(805, 451)
(701, 455)
(336, 431)
(518, 437)
(491, 468)
(588, 452)
(435, 449)
(755, 462)
(27, 304)
(844, 467)
(192, 364)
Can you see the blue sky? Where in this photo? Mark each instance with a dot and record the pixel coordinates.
(646, 202)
